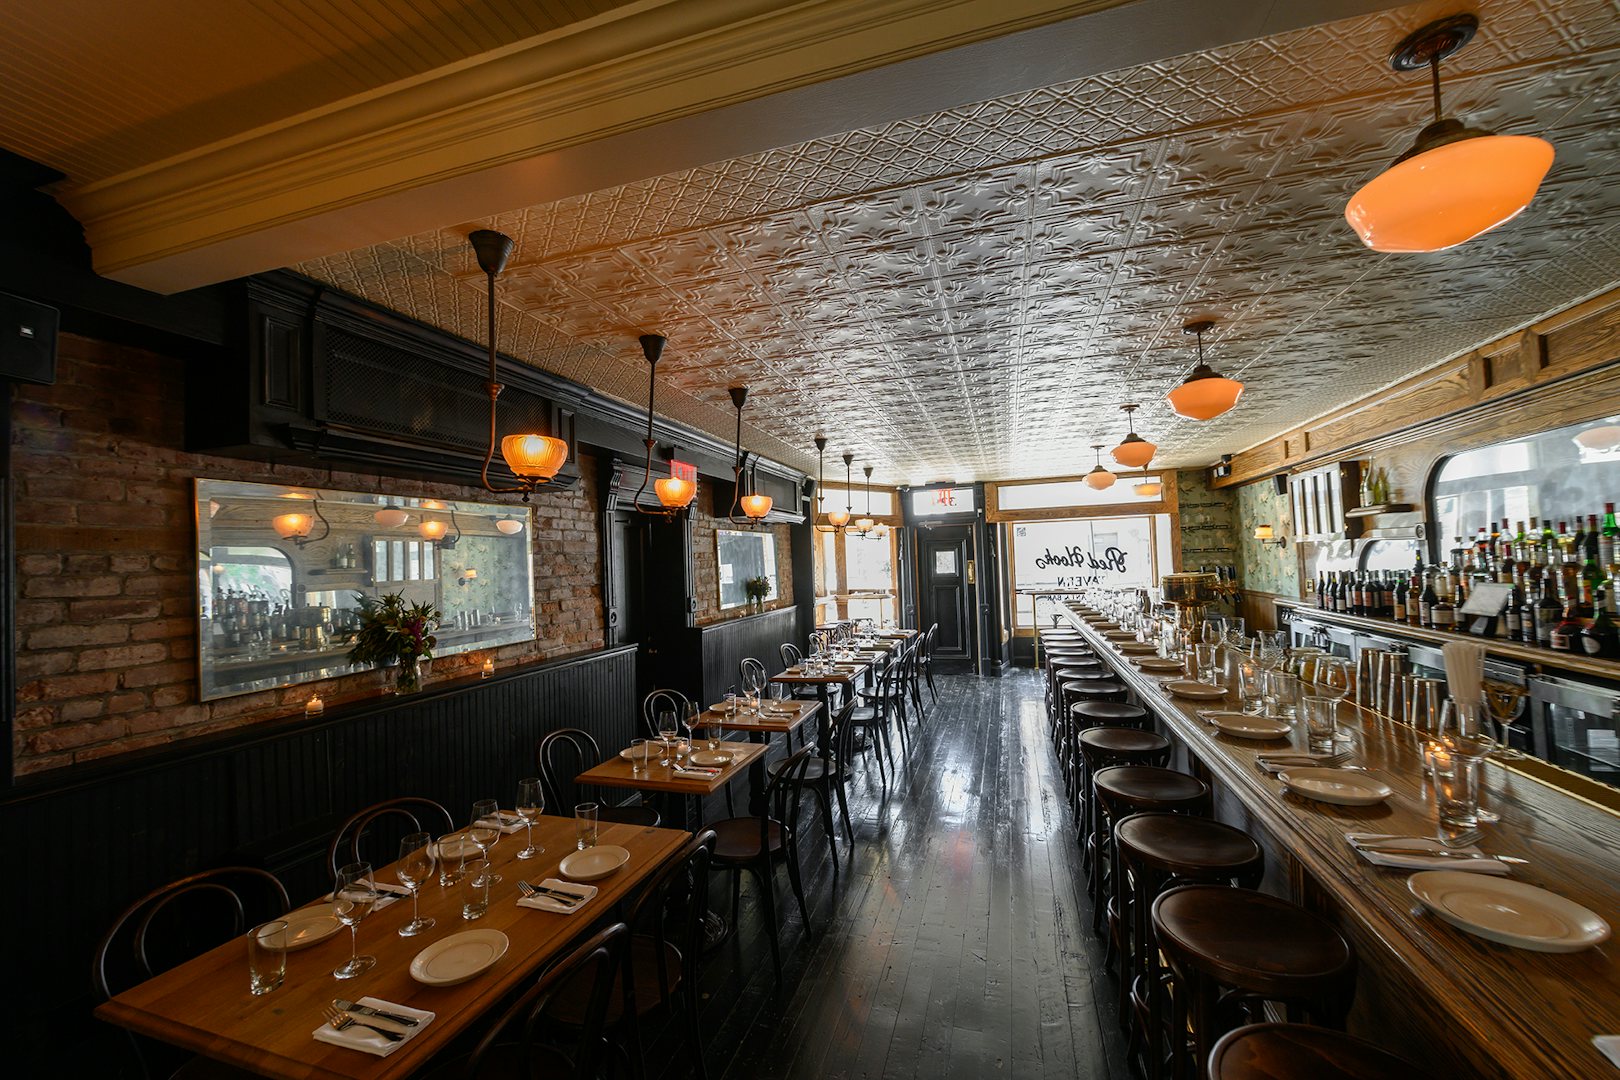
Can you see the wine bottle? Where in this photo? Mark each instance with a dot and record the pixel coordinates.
(1414, 595)
(1397, 609)
(1591, 572)
(1599, 637)
(1427, 601)
(1611, 533)
(1547, 610)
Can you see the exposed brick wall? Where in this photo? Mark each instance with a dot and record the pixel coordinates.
(706, 567)
(106, 608)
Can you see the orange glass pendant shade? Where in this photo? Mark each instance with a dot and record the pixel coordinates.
(291, 526)
(1147, 489)
(1445, 196)
(756, 506)
(1100, 478)
(534, 457)
(1134, 452)
(675, 491)
(433, 530)
(1205, 395)
(838, 518)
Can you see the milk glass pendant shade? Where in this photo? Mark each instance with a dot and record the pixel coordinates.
(1099, 478)
(1456, 182)
(1134, 452)
(1147, 489)
(1205, 394)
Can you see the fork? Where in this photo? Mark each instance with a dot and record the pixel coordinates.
(340, 1020)
(566, 899)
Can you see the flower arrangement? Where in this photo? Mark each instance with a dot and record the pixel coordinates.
(392, 632)
(757, 588)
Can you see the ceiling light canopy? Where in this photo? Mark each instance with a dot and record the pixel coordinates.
(1135, 452)
(1455, 182)
(1099, 478)
(533, 459)
(1205, 394)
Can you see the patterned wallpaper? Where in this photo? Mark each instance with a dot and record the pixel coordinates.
(1265, 567)
(1207, 522)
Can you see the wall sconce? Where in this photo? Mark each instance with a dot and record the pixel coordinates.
(468, 576)
(391, 518)
(509, 526)
(1268, 536)
(434, 532)
(297, 527)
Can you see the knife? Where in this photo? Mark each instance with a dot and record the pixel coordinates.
(367, 1010)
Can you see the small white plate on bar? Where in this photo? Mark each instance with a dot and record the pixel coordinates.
(1245, 726)
(1198, 691)
(1138, 648)
(1337, 786)
(1508, 912)
(1159, 664)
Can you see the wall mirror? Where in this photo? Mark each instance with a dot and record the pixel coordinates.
(743, 557)
(280, 570)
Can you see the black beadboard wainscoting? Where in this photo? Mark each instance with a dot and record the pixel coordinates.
(722, 646)
(95, 841)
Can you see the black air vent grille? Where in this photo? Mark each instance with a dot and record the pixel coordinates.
(389, 391)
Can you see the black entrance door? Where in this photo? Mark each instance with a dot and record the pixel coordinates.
(944, 591)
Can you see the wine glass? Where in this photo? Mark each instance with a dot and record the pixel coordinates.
(352, 900)
(486, 836)
(415, 867)
(1334, 676)
(690, 722)
(1212, 630)
(531, 803)
(666, 733)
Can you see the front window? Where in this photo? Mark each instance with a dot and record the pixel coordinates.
(1075, 553)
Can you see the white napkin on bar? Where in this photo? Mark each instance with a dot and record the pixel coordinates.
(1418, 860)
(356, 1037)
(507, 821)
(542, 902)
(1281, 761)
(697, 772)
(1609, 1047)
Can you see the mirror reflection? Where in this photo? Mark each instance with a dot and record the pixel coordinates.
(281, 572)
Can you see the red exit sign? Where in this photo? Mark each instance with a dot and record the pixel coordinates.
(682, 471)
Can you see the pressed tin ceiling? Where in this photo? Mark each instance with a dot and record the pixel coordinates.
(972, 294)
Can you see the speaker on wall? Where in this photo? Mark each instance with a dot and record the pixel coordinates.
(27, 340)
(1279, 483)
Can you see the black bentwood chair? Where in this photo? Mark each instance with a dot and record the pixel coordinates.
(419, 814)
(562, 755)
(169, 926)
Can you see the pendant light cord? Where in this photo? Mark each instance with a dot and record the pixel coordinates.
(1434, 70)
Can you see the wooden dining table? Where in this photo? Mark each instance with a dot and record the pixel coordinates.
(203, 1005)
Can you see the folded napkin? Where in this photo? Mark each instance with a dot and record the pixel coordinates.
(1278, 762)
(356, 1037)
(542, 902)
(1418, 860)
(1608, 1046)
(507, 821)
(697, 772)
(390, 893)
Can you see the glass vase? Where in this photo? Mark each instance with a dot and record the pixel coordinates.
(408, 676)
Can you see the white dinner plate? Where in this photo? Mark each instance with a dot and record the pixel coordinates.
(709, 758)
(1105, 625)
(1138, 648)
(1339, 786)
(1120, 635)
(1245, 726)
(1159, 663)
(1197, 690)
(309, 926)
(657, 745)
(780, 708)
(459, 957)
(1508, 912)
(594, 863)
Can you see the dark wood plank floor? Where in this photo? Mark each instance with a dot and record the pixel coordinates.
(956, 941)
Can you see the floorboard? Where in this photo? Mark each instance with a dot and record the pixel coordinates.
(955, 942)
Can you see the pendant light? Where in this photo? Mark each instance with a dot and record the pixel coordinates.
(1135, 452)
(1099, 478)
(838, 519)
(297, 527)
(674, 493)
(865, 525)
(533, 459)
(1148, 487)
(1204, 394)
(1455, 182)
(754, 507)
(835, 521)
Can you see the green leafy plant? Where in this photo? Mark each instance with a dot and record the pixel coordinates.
(391, 630)
(757, 588)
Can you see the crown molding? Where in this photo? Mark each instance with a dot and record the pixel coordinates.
(467, 139)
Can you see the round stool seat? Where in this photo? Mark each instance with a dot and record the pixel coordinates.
(1148, 787)
(1099, 690)
(1076, 669)
(1085, 674)
(1068, 652)
(1189, 847)
(1120, 742)
(1281, 1051)
(1250, 940)
(1101, 713)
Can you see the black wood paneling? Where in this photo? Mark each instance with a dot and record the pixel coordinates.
(723, 645)
(99, 838)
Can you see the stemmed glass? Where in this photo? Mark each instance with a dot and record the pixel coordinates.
(415, 866)
(531, 803)
(486, 836)
(352, 900)
(667, 730)
(1334, 676)
(690, 722)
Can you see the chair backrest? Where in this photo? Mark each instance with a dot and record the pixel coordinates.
(657, 702)
(791, 656)
(670, 909)
(172, 924)
(928, 642)
(752, 672)
(419, 814)
(523, 1022)
(782, 796)
(560, 756)
(841, 736)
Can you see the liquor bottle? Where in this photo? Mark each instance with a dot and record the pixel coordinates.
(1591, 572)
(1321, 589)
(1427, 601)
(1527, 617)
(1611, 533)
(1414, 595)
(1547, 611)
(1445, 614)
(1599, 637)
(1504, 555)
(1566, 632)
(1512, 621)
(1397, 610)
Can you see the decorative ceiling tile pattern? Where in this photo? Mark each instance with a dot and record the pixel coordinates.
(972, 294)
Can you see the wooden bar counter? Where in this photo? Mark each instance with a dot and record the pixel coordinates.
(1461, 1005)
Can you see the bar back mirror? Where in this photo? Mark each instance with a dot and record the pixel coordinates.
(744, 557)
(280, 573)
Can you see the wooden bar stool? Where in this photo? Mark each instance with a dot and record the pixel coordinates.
(1232, 950)
(1100, 748)
(1090, 714)
(1283, 1051)
(1152, 851)
(1070, 681)
(1059, 662)
(1123, 790)
(1073, 719)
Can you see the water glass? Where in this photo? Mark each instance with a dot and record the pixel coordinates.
(640, 751)
(267, 956)
(475, 889)
(1321, 722)
(1206, 662)
(1251, 686)
(731, 704)
(585, 820)
(451, 851)
(1282, 695)
(1459, 792)
(716, 733)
